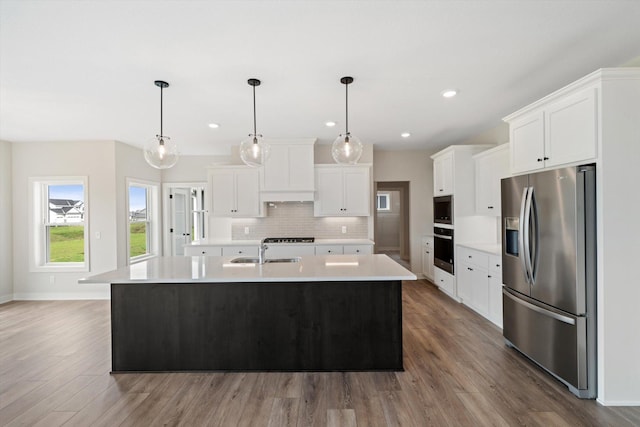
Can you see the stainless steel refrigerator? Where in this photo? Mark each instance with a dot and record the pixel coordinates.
(549, 272)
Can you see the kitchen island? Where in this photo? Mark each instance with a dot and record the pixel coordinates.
(321, 313)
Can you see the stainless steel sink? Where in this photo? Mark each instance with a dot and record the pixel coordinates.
(248, 260)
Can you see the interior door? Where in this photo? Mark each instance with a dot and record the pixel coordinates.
(180, 220)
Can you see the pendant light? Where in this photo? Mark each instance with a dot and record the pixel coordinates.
(161, 152)
(253, 150)
(346, 149)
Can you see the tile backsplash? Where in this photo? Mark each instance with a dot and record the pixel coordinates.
(295, 219)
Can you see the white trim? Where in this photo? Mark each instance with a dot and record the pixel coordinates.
(153, 218)
(618, 402)
(166, 210)
(63, 296)
(6, 298)
(37, 214)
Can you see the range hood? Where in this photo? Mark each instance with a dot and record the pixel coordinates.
(288, 175)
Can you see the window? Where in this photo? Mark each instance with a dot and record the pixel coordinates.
(59, 235)
(143, 231)
(382, 202)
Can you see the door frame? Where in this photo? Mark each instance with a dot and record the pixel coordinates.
(405, 211)
(167, 189)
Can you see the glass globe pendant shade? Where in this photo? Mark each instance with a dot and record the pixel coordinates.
(254, 151)
(346, 149)
(161, 152)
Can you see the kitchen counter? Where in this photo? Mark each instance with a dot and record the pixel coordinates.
(321, 268)
(489, 248)
(324, 313)
(228, 242)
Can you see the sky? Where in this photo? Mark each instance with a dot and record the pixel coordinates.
(137, 195)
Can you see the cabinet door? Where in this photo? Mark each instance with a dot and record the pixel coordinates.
(223, 195)
(443, 175)
(480, 291)
(357, 191)
(202, 250)
(527, 143)
(247, 193)
(465, 282)
(445, 281)
(329, 250)
(358, 249)
(427, 258)
(495, 299)
(570, 129)
(276, 169)
(329, 192)
(240, 250)
(490, 169)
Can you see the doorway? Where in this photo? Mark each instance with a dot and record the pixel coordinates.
(391, 221)
(184, 214)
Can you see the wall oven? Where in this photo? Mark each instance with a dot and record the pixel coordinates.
(443, 210)
(443, 249)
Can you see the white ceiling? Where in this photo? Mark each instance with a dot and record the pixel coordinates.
(84, 70)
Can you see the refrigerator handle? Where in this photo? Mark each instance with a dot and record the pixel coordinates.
(527, 236)
(522, 238)
(535, 247)
(565, 319)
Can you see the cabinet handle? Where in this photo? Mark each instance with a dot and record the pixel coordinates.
(442, 189)
(489, 207)
(357, 251)
(539, 159)
(470, 256)
(497, 265)
(469, 268)
(546, 158)
(204, 252)
(427, 251)
(239, 252)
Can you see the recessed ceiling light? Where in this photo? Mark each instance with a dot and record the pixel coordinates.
(405, 134)
(330, 124)
(214, 125)
(450, 93)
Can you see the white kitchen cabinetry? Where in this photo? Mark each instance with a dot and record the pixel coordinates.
(445, 281)
(288, 250)
(235, 192)
(557, 130)
(342, 191)
(329, 250)
(427, 257)
(357, 249)
(288, 173)
(479, 280)
(443, 175)
(453, 173)
(195, 250)
(491, 166)
(240, 250)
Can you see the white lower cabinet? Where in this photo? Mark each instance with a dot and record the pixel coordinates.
(479, 280)
(240, 251)
(427, 258)
(329, 250)
(445, 281)
(288, 251)
(357, 249)
(202, 250)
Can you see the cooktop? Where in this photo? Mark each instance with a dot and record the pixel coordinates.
(289, 240)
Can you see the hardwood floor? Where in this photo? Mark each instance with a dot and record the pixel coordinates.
(55, 361)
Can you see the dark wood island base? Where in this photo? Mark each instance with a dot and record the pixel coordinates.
(257, 326)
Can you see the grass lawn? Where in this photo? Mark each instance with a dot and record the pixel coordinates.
(66, 243)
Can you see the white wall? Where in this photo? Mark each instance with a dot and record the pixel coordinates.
(417, 168)
(6, 233)
(129, 163)
(92, 159)
(618, 245)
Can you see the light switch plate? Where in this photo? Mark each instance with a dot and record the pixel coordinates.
(344, 229)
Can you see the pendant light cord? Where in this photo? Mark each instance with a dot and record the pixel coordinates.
(161, 89)
(254, 112)
(346, 107)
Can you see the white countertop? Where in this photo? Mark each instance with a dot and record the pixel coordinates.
(490, 248)
(208, 269)
(227, 242)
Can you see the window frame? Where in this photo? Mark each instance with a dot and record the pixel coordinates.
(40, 222)
(154, 239)
(385, 196)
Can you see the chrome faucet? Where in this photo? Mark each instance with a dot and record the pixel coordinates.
(261, 251)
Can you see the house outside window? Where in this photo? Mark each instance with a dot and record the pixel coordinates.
(143, 235)
(59, 236)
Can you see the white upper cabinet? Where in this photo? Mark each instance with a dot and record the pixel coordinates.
(443, 175)
(235, 192)
(288, 173)
(342, 190)
(557, 130)
(491, 166)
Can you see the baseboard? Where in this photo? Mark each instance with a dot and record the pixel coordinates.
(61, 296)
(618, 402)
(6, 298)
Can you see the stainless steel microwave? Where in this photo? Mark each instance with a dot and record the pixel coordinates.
(443, 210)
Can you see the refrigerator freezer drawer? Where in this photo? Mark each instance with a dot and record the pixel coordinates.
(553, 339)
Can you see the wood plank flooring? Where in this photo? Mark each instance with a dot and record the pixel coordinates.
(55, 362)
